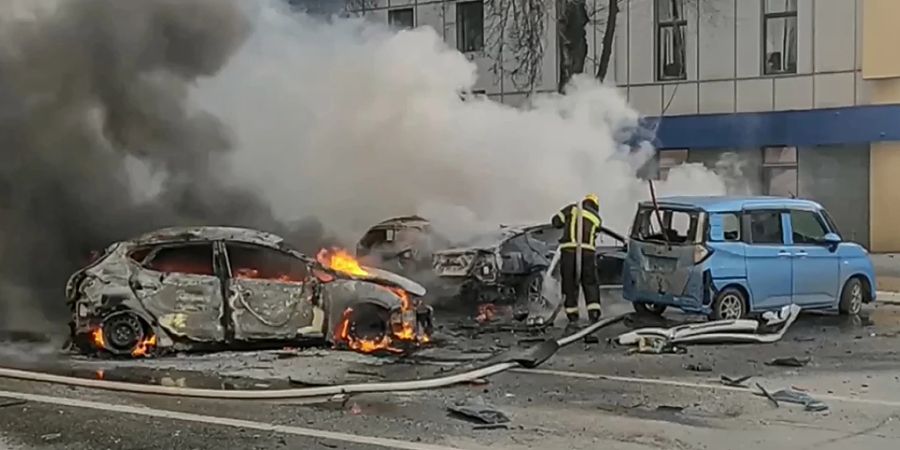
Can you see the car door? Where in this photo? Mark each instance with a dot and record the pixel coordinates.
(768, 258)
(178, 285)
(268, 294)
(815, 265)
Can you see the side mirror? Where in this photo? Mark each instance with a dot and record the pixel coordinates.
(831, 239)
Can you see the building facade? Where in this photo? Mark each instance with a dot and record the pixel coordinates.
(782, 97)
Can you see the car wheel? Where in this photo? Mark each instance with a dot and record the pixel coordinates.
(649, 309)
(122, 332)
(368, 322)
(730, 304)
(852, 297)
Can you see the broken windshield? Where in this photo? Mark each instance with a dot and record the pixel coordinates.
(679, 226)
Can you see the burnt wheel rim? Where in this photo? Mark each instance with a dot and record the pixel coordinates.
(367, 323)
(123, 332)
(856, 298)
(731, 307)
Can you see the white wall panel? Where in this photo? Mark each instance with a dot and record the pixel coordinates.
(749, 39)
(754, 95)
(716, 97)
(833, 90)
(646, 99)
(793, 93)
(640, 39)
(716, 39)
(681, 98)
(834, 35)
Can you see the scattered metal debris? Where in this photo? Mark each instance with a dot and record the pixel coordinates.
(50, 437)
(768, 395)
(670, 408)
(477, 410)
(791, 361)
(698, 367)
(656, 345)
(793, 396)
(13, 403)
(735, 382)
(715, 332)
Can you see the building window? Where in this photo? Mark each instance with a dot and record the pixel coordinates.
(780, 34)
(669, 158)
(780, 171)
(401, 19)
(470, 26)
(670, 46)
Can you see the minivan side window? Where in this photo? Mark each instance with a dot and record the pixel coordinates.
(765, 227)
(731, 227)
(807, 227)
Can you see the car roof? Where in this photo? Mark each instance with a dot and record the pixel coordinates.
(405, 221)
(210, 233)
(733, 203)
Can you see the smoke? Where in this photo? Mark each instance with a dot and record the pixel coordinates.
(354, 123)
(120, 117)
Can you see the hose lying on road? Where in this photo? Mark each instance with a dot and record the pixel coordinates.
(543, 353)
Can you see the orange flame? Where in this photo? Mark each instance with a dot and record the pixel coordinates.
(97, 338)
(402, 331)
(340, 260)
(144, 346)
(359, 344)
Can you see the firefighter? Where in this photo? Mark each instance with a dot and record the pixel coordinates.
(578, 243)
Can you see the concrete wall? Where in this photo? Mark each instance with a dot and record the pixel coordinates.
(838, 178)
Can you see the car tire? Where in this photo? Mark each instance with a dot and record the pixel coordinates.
(852, 297)
(649, 309)
(729, 304)
(369, 321)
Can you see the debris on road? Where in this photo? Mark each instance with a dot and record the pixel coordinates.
(477, 410)
(791, 361)
(735, 382)
(793, 396)
(716, 332)
(656, 345)
(49, 437)
(698, 367)
(13, 403)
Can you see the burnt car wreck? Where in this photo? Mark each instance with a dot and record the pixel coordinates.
(209, 288)
(401, 244)
(510, 265)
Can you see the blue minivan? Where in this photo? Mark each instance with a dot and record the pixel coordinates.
(728, 257)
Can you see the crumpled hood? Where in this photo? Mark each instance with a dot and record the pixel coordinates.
(376, 275)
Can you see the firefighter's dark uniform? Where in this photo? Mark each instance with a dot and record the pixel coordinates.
(590, 283)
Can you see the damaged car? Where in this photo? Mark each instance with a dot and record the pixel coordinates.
(401, 244)
(509, 265)
(729, 257)
(210, 288)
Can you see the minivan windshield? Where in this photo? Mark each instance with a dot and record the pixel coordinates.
(679, 226)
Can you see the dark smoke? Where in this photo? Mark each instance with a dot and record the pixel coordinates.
(84, 87)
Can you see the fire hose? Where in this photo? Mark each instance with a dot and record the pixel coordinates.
(541, 352)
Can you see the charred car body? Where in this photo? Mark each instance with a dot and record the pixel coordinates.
(401, 244)
(217, 287)
(509, 266)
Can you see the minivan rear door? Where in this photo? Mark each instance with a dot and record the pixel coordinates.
(768, 258)
(664, 254)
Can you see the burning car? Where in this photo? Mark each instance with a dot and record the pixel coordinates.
(509, 266)
(404, 244)
(203, 288)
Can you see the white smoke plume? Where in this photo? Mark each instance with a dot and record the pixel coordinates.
(353, 123)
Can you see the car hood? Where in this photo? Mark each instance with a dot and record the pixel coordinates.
(383, 276)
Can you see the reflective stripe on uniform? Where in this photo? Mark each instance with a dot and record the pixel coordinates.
(575, 245)
(561, 216)
(593, 307)
(572, 310)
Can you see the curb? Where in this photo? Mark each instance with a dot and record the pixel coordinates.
(890, 298)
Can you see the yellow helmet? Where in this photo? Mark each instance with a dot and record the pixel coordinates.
(593, 198)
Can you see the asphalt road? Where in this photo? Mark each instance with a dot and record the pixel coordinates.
(585, 397)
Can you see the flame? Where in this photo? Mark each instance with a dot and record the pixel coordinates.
(144, 346)
(342, 261)
(362, 345)
(97, 338)
(99, 374)
(486, 313)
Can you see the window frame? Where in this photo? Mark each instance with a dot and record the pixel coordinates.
(768, 167)
(766, 17)
(747, 226)
(658, 26)
(408, 9)
(739, 215)
(460, 26)
(156, 248)
(229, 268)
(819, 218)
